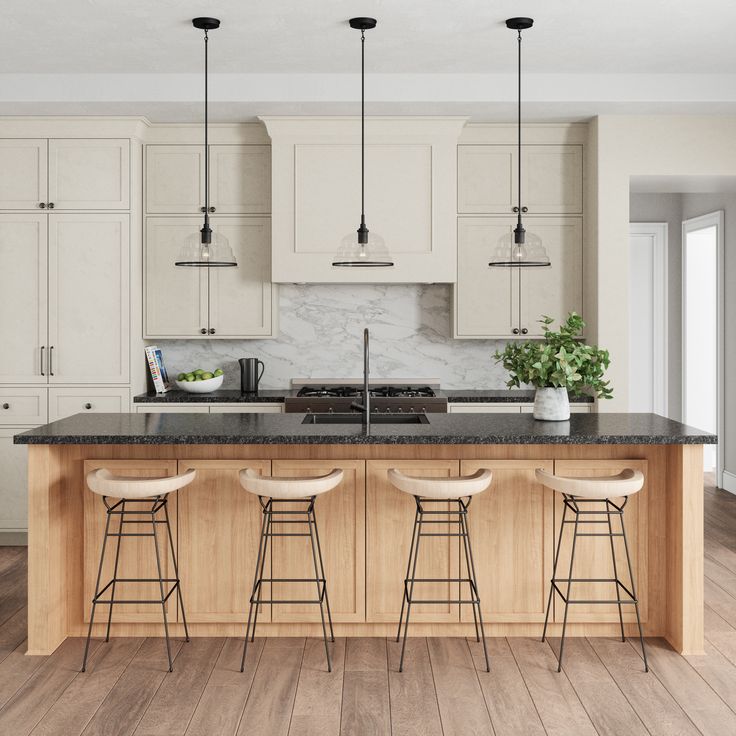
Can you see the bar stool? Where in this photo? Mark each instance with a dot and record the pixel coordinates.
(579, 494)
(148, 498)
(274, 491)
(428, 491)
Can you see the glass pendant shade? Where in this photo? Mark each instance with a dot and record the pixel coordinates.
(215, 254)
(509, 254)
(354, 254)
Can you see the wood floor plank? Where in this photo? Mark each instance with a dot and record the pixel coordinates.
(366, 708)
(14, 584)
(606, 706)
(720, 601)
(43, 688)
(172, 707)
(555, 699)
(721, 634)
(74, 709)
(459, 697)
(720, 553)
(718, 671)
(222, 703)
(15, 669)
(318, 700)
(652, 702)
(13, 632)
(271, 699)
(123, 708)
(507, 698)
(703, 706)
(413, 700)
(721, 576)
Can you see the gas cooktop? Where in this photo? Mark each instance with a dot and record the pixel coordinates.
(347, 391)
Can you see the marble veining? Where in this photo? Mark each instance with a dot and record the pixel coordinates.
(320, 336)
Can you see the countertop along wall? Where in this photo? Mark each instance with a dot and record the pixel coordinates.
(321, 337)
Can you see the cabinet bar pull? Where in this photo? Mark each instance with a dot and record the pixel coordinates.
(42, 349)
(51, 360)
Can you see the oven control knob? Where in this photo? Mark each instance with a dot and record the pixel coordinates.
(401, 411)
(309, 410)
(424, 411)
(332, 411)
(412, 410)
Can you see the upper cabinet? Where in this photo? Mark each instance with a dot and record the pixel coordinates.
(65, 174)
(552, 180)
(240, 179)
(410, 191)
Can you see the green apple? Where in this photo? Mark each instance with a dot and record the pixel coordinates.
(218, 371)
(181, 377)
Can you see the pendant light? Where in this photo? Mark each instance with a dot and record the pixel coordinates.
(527, 250)
(206, 249)
(362, 249)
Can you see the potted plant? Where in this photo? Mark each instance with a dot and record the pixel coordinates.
(556, 365)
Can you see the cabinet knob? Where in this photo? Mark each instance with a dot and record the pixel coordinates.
(203, 209)
(6, 405)
(42, 205)
(51, 205)
(523, 209)
(88, 405)
(212, 330)
(204, 330)
(212, 209)
(515, 330)
(524, 331)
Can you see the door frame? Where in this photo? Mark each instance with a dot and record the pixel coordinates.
(658, 231)
(711, 219)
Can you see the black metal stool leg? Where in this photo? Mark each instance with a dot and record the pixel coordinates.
(569, 586)
(262, 545)
(554, 572)
(615, 571)
(161, 585)
(115, 571)
(324, 575)
(411, 586)
(633, 591)
(97, 587)
(474, 585)
(176, 570)
(310, 514)
(464, 535)
(408, 569)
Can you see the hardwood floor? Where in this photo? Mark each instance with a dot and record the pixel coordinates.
(444, 690)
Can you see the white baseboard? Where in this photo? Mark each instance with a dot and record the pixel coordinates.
(15, 538)
(729, 482)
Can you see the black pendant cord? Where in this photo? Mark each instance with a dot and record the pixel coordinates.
(206, 140)
(519, 231)
(362, 128)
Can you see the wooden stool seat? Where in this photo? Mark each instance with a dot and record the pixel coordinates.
(626, 483)
(104, 483)
(461, 486)
(289, 488)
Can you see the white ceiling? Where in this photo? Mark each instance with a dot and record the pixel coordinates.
(425, 56)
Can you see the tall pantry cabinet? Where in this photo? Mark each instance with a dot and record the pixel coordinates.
(65, 270)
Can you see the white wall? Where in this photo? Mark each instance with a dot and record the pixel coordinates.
(321, 327)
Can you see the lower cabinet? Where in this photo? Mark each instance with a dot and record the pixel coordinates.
(389, 521)
(64, 402)
(219, 527)
(512, 541)
(137, 555)
(13, 483)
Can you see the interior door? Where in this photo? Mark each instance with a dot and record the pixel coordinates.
(23, 297)
(24, 180)
(89, 293)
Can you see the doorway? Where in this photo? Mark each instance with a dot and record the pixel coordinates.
(702, 330)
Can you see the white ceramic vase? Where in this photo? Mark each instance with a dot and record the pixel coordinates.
(551, 404)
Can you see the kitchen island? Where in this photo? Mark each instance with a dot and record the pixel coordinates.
(365, 524)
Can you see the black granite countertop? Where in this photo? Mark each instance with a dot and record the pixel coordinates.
(443, 429)
(277, 396)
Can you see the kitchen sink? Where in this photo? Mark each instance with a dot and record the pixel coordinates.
(358, 419)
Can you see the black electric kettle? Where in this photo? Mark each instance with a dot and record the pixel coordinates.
(250, 375)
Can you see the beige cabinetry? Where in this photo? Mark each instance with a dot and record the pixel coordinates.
(552, 179)
(508, 408)
(64, 402)
(240, 179)
(65, 174)
(508, 302)
(22, 406)
(13, 495)
(214, 408)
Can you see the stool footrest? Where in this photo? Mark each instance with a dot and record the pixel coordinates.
(159, 601)
(563, 596)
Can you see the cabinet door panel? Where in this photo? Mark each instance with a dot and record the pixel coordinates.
(23, 181)
(23, 297)
(512, 536)
(556, 290)
(593, 555)
(483, 409)
(89, 292)
(219, 528)
(241, 299)
(169, 409)
(91, 174)
(137, 554)
(486, 299)
(341, 524)
(176, 297)
(65, 402)
(241, 179)
(389, 521)
(486, 179)
(23, 405)
(174, 179)
(13, 481)
(553, 179)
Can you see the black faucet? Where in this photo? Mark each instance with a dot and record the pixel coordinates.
(365, 407)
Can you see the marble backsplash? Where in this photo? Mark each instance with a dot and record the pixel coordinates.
(320, 336)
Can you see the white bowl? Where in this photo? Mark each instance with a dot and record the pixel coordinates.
(201, 387)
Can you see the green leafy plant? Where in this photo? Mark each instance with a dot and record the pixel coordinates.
(560, 360)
